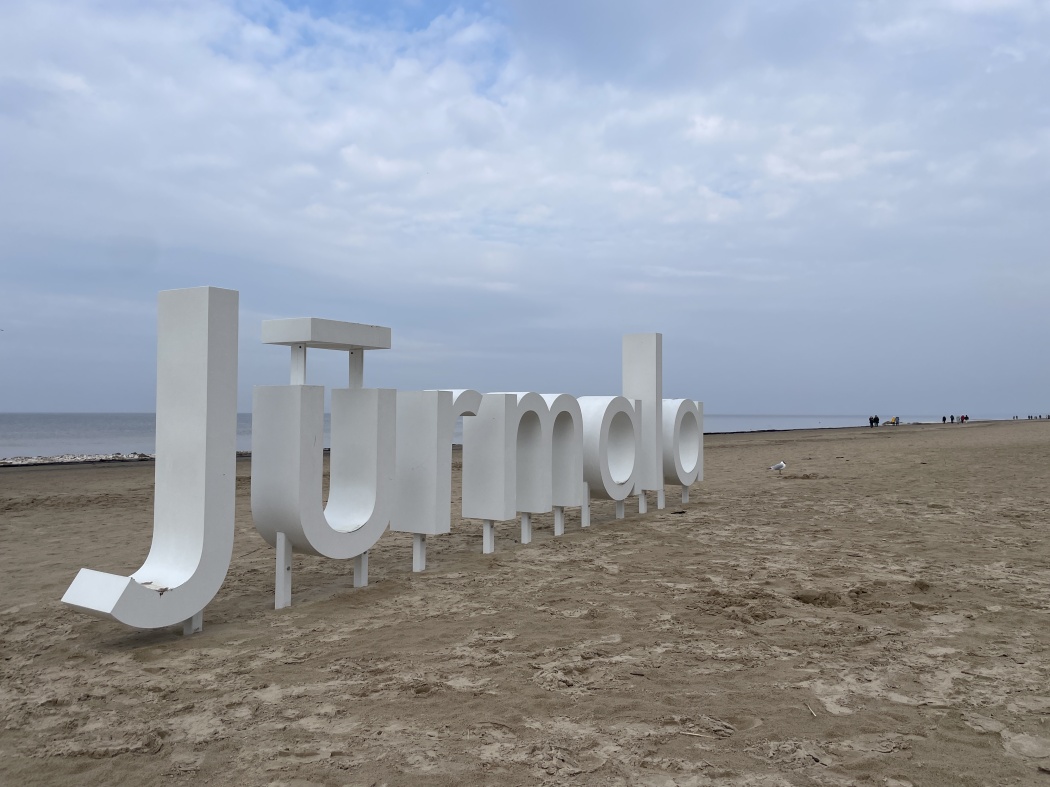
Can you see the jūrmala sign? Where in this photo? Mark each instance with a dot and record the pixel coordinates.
(391, 458)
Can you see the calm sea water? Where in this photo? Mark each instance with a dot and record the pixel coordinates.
(55, 434)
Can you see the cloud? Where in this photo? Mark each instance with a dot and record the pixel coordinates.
(463, 170)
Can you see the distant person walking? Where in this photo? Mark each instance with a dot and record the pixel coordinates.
(953, 419)
(876, 420)
(944, 419)
(871, 421)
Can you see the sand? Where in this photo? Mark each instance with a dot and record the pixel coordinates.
(876, 615)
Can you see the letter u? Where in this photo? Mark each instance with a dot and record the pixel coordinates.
(287, 464)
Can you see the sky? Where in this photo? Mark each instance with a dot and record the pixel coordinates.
(823, 207)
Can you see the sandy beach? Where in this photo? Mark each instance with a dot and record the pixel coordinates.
(876, 615)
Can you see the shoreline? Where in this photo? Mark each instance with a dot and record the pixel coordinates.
(115, 458)
(88, 459)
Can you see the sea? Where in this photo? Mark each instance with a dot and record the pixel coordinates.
(91, 435)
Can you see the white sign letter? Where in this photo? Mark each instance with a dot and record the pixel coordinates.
(195, 471)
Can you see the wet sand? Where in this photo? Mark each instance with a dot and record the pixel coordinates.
(876, 615)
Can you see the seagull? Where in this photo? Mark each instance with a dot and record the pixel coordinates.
(778, 466)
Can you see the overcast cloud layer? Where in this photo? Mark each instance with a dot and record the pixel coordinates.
(824, 207)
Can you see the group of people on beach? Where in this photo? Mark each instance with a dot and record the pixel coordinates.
(873, 421)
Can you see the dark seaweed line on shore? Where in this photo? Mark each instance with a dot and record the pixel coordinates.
(77, 459)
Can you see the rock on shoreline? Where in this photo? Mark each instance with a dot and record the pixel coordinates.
(64, 459)
(70, 459)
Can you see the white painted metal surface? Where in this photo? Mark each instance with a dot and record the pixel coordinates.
(196, 471)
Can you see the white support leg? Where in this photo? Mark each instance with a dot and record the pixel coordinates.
(585, 510)
(357, 368)
(361, 570)
(685, 494)
(488, 537)
(619, 509)
(194, 624)
(559, 520)
(282, 596)
(526, 527)
(661, 500)
(419, 553)
(643, 504)
(298, 375)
